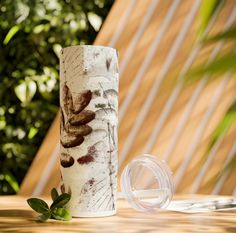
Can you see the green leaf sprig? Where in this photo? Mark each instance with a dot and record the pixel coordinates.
(56, 210)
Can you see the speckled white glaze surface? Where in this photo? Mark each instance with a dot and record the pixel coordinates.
(89, 118)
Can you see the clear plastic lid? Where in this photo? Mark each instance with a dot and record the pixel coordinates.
(147, 184)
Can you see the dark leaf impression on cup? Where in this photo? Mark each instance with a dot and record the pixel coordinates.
(81, 101)
(82, 118)
(89, 157)
(67, 99)
(66, 160)
(74, 117)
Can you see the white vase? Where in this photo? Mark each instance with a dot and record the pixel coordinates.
(89, 118)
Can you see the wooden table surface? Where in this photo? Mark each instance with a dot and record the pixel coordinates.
(16, 216)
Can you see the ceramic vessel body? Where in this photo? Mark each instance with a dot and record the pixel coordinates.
(89, 119)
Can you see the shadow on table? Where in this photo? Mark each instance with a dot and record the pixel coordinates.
(16, 213)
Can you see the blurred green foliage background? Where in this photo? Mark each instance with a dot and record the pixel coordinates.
(32, 33)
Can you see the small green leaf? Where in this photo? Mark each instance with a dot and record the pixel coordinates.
(225, 35)
(32, 132)
(26, 90)
(224, 125)
(57, 49)
(61, 214)
(38, 205)
(100, 105)
(218, 66)
(39, 28)
(44, 217)
(11, 33)
(54, 194)
(95, 21)
(207, 10)
(11, 180)
(61, 200)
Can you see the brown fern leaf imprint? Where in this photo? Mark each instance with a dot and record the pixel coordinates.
(67, 99)
(66, 160)
(81, 101)
(79, 130)
(70, 140)
(73, 126)
(82, 118)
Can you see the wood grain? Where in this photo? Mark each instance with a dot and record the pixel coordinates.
(16, 216)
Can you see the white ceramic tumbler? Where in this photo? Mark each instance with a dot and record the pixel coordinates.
(89, 118)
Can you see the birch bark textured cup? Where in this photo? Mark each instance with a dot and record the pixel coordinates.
(89, 118)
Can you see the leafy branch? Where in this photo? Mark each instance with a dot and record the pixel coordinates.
(224, 62)
(55, 211)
